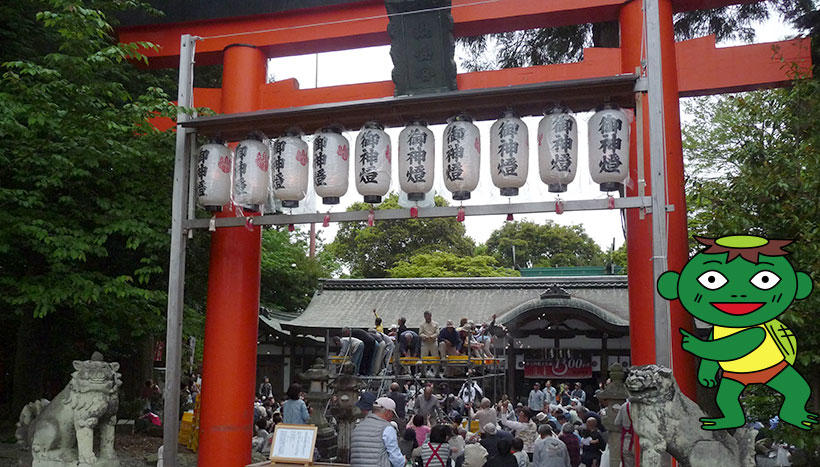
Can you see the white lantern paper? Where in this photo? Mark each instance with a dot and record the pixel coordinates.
(289, 176)
(213, 173)
(461, 157)
(509, 154)
(558, 149)
(417, 153)
(373, 158)
(250, 175)
(331, 164)
(609, 148)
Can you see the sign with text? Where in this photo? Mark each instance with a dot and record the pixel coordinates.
(568, 368)
(293, 443)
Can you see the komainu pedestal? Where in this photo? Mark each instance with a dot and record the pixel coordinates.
(63, 432)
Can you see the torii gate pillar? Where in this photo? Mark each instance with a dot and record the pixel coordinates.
(231, 319)
(639, 251)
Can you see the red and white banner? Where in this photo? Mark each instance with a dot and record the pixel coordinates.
(567, 368)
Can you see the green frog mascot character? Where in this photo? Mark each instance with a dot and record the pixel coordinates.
(740, 284)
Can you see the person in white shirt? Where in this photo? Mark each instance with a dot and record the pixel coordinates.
(549, 392)
(353, 348)
(536, 399)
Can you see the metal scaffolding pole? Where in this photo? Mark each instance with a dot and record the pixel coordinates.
(663, 348)
(176, 267)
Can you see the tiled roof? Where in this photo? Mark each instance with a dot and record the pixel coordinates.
(348, 302)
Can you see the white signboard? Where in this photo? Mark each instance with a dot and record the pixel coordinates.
(293, 443)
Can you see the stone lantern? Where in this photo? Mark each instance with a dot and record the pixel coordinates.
(612, 399)
(317, 377)
(343, 407)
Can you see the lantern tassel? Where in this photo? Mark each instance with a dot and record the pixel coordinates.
(414, 212)
(371, 218)
(460, 215)
(611, 203)
(291, 228)
(559, 207)
(326, 220)
(509, 217)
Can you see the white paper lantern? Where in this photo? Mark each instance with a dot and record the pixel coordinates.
(289, 176)
(417, 154)
(609, 147)
(509, 153)
(331, 164)
(461, 156)
(558, 149)
(373, 158)
(250, 175)
(213, 176)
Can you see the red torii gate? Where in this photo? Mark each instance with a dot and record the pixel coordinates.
(689, 68)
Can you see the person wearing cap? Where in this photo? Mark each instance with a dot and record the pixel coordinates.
(549, 451)
(475, 455)
(449, 342)
(374, 442)
(579, 393)
(489, 439)
(365, 402)
(524, 428)
(428, 331)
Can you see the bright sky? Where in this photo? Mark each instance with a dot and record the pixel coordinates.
(374, 64)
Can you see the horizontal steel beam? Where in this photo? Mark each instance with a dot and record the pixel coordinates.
(481, 104)
(424, 213)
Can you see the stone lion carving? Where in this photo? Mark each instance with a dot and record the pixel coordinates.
(667, 421)
(62, 434)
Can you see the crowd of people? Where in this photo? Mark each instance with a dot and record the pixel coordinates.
(371, 350)
(410, 427)
(268, 412)
(430, 430)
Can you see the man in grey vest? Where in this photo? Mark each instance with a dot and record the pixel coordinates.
(375, 442)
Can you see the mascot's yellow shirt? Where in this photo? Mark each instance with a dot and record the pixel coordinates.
(766, 355)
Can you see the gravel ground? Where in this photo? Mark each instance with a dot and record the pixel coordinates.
(133, 450)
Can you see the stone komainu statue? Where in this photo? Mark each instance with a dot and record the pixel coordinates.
(665, 420)
(62, 432)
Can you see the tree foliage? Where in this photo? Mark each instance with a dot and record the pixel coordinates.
(289, 275)
(442, 264)
(753, 163)
(85, 184)
(545, 46)
(547, 245)
(371, 251)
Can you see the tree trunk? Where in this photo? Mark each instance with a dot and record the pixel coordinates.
(27, 376)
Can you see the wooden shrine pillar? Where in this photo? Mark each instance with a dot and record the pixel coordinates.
(231, 319)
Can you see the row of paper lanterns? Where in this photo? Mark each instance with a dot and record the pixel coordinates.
(245, 176)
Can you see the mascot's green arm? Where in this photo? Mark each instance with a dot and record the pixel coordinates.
(726, 348)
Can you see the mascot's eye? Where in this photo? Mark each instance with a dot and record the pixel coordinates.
(712, 280)
(765, 280)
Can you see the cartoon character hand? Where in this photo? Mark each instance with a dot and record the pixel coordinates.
(689, 342)
(707, 374)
